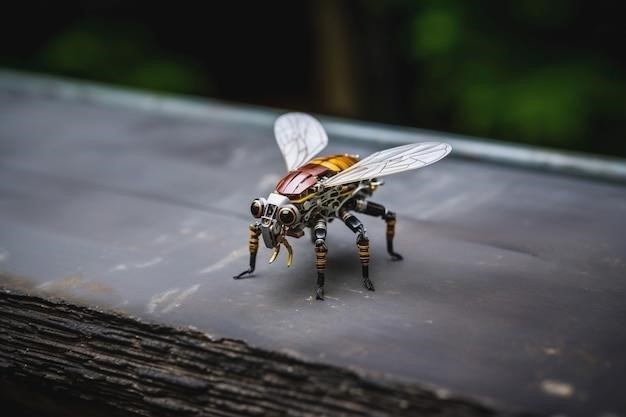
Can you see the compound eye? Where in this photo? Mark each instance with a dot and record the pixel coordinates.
(288, 215)
(257, 207)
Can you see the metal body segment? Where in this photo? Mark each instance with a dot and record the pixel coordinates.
(299, 181)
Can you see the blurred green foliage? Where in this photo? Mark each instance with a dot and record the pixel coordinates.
(516, 70)
(120, 53)
(550, 73)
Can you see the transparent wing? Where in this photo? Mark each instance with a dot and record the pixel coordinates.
(300, 137)
(391, 161)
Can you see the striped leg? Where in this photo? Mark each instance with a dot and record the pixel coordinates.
(363, 245)
(390, 219)
(319, 234)
(253, 246)
(377, 210)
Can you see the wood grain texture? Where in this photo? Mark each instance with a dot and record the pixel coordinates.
(145, 369)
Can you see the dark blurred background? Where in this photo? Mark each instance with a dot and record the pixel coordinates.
(549, 73)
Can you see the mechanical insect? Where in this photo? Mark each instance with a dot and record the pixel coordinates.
(317, 190)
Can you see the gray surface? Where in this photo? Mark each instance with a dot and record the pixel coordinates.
(596, 166)
(512, 289)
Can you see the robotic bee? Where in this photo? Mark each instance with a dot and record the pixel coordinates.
(315, 191)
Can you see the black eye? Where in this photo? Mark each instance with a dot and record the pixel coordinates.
(257, 207)
(288, 215)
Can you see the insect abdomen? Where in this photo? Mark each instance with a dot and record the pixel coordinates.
(297, 182)
(335, 163)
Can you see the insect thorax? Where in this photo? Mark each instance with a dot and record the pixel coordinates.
(326, 202)
(305, 188)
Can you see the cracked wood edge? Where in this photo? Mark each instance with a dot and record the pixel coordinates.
(148, 369)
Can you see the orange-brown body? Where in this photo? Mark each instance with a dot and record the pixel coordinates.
(296, 184)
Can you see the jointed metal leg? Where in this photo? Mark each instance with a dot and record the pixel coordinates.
(253, 246)
(377, 210)
(319, 233)
(363, 245)
(390, 219)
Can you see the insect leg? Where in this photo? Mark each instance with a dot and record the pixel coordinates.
(362, 243)
(319, 233)
(390, 220)
(378, 210)
(253, 246)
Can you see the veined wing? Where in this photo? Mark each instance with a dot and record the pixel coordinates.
(391, 161)
(300, 137)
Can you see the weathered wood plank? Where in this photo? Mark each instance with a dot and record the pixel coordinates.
(153, 370)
